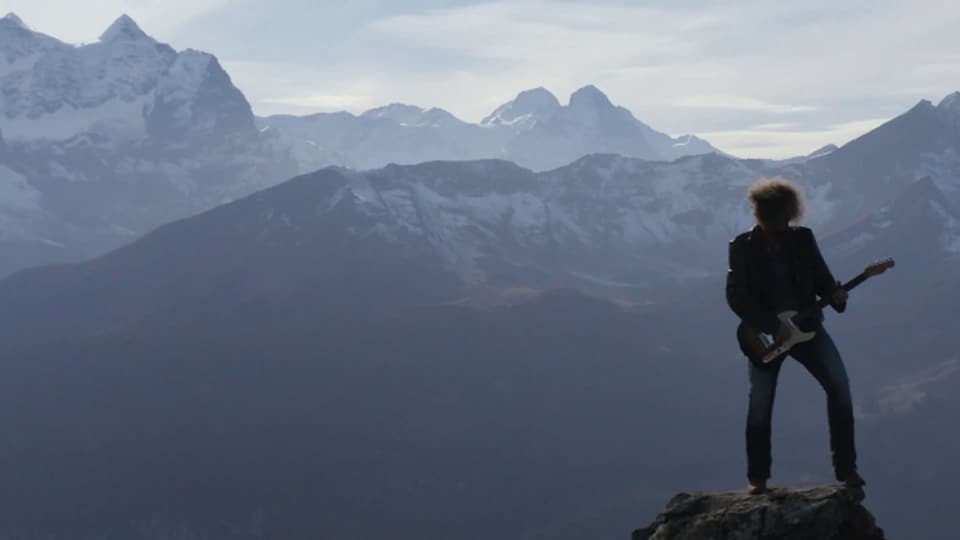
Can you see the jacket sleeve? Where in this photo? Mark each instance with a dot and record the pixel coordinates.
(823, 281)
(738, 294)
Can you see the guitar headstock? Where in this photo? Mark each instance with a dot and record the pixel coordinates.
(879, 267)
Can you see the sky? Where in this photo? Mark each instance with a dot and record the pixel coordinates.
(756, 78)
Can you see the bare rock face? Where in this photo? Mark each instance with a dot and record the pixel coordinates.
(830, 512)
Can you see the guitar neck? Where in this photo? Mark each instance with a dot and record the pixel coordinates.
(824, 302)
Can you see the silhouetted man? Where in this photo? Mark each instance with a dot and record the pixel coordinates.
(775, 267)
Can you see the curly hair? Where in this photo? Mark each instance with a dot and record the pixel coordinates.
(775, 196)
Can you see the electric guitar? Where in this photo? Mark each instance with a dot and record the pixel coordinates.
(762, 348)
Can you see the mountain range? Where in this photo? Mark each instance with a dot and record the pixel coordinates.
(533, 130)
(102, 142)
(438, 349)
(320, 339)
(239, 381)
(621, 228)
(105, 141)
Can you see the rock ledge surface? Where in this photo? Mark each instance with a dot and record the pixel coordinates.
(829, 512)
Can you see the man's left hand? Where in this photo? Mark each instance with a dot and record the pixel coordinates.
(839, 294)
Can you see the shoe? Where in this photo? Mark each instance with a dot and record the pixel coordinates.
(851, 479)
(757, 486)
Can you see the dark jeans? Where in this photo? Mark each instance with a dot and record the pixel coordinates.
(822, 360)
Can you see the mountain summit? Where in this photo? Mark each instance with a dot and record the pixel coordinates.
(525, 109)
(11, 19)
(19, 42)
(411, 115)
(590, 123)
(533, 130)
(950, 102)
(123, 28)
(590, 96)
(115, 137)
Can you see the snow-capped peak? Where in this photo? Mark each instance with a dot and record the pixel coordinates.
(527, 105)
(590, 96)
(399, 112)
(11, 19)
(536, 97)
(124, 28)
(822, 151)
(688, 140)
(951, 102)
(20, 46)
(407, 115)
(411, 115)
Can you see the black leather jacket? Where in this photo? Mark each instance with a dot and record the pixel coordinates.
(749, 286)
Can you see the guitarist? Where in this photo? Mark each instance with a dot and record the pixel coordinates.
(774, 267)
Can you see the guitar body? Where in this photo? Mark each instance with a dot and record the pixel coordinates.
(762, 349)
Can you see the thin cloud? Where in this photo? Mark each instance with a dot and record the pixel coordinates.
(785, 144)
(740, 103)
(762, 62)
(776, 126)
(544, 32)
(321, 101)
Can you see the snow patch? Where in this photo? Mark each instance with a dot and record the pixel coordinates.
(950, 238)
(19, 207)
(684, 140)
(120, 118)
(181, 82)
(23, 63)
(53, 91)
(525, 110)
(820, 206)
(16, 193)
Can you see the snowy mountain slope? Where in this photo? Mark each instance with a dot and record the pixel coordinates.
(155, 135)
(920, 230)
(602, 220)
(592, 124)
(874, 168)
(126, 86)
(409, 115)
(622, 227)
(115, 137)
(919, 224)
(21, 47)
(819, 152)
(629, 225)
(391, 134)
(534, 130)
(19, 205)
(529, 107)
(604, 223)
(71, 90)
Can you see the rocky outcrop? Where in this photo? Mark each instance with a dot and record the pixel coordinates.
(830, 512)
